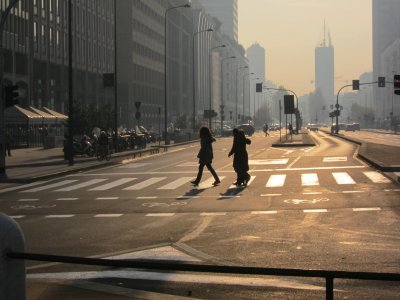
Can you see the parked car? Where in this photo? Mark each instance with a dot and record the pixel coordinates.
(247, 128)
(312, 127)
(352, 127)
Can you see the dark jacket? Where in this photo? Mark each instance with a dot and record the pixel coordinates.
(205, 155)
(240, 159)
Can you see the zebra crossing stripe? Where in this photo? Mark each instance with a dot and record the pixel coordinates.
(17, 217)
(309, 179)
(108, 215)
(144, 184)
(335, 159)
(233, 186)
(208, 183)
(175, 184)
(59, 216)
(343, 178)
(376, 177)
(15, 188)
(112, 184)
(267, 212)
(315, 210)
(80, 185)
(276, 181)
(367, 209)
(160, 215)
(49, 186)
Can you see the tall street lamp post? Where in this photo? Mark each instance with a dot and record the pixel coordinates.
(194, 77)
(210, 79)
(165, 68)
(237, 96)
(222, 89)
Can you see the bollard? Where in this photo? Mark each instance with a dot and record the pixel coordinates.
(12, 271)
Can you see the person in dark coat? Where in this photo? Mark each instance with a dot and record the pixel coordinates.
(240, 158)
(205, 156)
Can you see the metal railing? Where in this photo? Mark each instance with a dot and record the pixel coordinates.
(202, 268)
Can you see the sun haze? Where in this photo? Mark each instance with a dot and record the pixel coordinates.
(289, 30)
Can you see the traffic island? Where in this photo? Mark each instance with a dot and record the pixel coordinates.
(302, 139)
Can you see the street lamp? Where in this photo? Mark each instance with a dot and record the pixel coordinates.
(244, 75)
(193, 73)
(237, 97)
(222, 89)
(165, 66)
(210, 78)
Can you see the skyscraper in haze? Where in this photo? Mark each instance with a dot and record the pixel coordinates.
(324, 69)
(256, 58)
(226, 11)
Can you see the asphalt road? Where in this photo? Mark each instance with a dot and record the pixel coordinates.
(310, 208)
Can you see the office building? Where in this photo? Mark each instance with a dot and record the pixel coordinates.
(256, 57)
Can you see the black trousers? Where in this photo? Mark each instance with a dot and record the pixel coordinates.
(210, 168)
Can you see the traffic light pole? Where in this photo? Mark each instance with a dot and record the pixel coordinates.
(4, 16)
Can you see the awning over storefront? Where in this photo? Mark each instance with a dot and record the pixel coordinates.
(17, 115)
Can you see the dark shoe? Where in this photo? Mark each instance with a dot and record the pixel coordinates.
(194, 182)
(216, 182)
(239, 183)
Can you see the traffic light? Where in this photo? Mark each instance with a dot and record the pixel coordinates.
(381, 81)
(356, 85)
(10, 94)
(396, 84)
(259, 87)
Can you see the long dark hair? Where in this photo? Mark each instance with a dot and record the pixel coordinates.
(204, 132)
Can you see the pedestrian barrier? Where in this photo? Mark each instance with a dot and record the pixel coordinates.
(12, 269)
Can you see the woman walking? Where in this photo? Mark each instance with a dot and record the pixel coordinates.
(206, 156)
(240, 158)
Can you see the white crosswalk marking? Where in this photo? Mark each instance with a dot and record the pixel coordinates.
(144, 184)
(343, 178)
(233, 186)
(208, 183)
(283, 161)
(112, 184)
(376, 177)
(15, 188)
(80, 185)
(309, 179)
(176, 183)
(49, 186)
(276, 181)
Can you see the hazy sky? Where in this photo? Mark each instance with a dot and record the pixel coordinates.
(289, 30)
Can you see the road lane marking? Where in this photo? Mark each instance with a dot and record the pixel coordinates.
(80, 185)
(335, 159)
(144, 184)
(187, 197)
(315, 210)
(309, 179)
(376, 177)
(112, 184)
(392, 190)
(188, 164)
(133, 165)
(276, 181)
(27, 200)
(59, 216)
(343, 178)
(352, 192)
(176, 183)
(67, 199)
(160, 215)
(270, 195)
(17, 217)
(367, 209)
(49, 186)
(213, 214)
(313, 193)
(108, 215)
(267, 212)
(146, 197)
(15, 188)
(107, 198)
(258, 162)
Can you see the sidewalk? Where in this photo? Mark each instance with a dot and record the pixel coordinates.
(302, 139)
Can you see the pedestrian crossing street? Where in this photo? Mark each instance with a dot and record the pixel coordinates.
(164, 183)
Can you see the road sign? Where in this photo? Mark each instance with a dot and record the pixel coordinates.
(356, 85)
(396, 84)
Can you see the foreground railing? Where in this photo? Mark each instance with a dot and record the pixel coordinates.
(13, 277)
(164, 266)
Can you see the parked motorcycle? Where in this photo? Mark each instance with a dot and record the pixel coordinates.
(83, 147)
